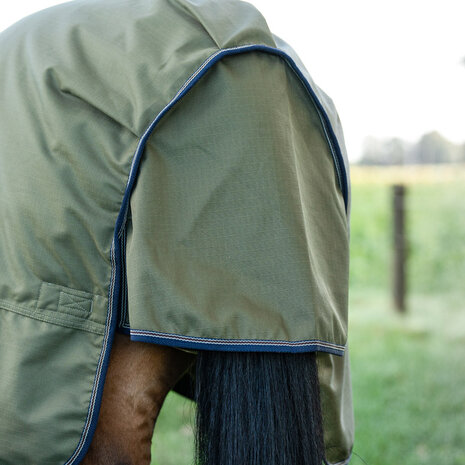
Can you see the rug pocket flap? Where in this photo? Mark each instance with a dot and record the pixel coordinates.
(69, 301)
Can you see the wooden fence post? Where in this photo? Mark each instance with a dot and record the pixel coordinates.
(400, 249)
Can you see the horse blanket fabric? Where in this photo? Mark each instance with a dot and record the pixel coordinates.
(168, 169)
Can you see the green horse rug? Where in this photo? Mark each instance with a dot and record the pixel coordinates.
(169, 170)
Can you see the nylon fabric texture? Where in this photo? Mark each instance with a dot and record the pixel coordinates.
(168, 169)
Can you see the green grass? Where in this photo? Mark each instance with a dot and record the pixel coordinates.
(408, 380)
(436, 222)
(435, 226)
(173, 439)
(408, 372)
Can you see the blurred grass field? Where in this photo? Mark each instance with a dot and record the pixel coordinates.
(408, 371)
(435, 227)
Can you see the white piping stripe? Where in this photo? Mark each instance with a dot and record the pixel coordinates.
(101, 359)
(180, 91)
(200, 340)
(325, 129)
(192, 77)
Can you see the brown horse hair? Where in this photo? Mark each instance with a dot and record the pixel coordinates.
(139, 377)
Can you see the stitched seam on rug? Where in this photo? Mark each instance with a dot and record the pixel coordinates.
(343, 462)
(75, 303)
(49, 319)
(239, 341)
(71, 291)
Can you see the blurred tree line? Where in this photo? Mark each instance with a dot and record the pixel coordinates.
(431, 148)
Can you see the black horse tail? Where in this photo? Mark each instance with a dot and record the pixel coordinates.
(258, 408)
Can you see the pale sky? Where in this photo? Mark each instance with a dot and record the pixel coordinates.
(393, 68)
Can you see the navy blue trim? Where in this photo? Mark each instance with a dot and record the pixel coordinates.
(339, 160)
(123, 306)
(198, 343)
(117, 268)
(102, 366)
(334, 143)
(123, 330)
(113, 319)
